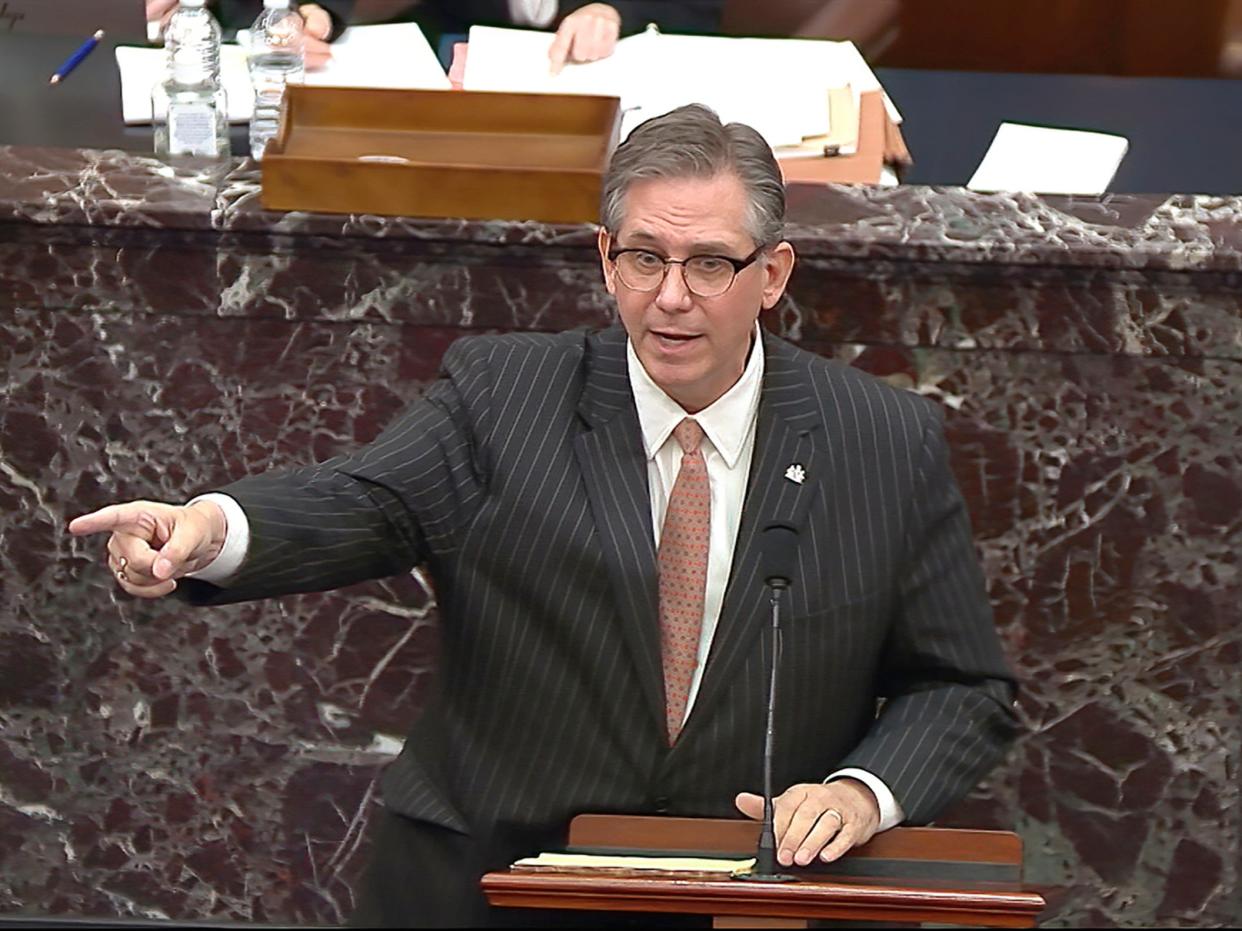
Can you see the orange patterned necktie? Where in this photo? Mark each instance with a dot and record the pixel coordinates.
(684, 544)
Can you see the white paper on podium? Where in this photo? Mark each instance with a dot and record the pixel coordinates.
(587, 861)
(1049, 161)
(778, 86)
(396, 56)
(516, 60)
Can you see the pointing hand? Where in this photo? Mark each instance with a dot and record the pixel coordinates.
(153, 544)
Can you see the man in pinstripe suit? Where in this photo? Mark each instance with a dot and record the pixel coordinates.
(536, 478)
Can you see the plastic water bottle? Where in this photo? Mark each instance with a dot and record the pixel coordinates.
(189, 106)
(277, 59)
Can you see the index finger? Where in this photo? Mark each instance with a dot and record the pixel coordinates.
(784, 807)
(558, 53)
(122, 518)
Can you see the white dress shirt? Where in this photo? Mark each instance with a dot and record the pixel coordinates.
(537, 13)
(728, 446)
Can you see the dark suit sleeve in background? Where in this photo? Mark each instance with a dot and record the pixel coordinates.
(376, 512)
(439, 18)
(948, 712)
(340, 11)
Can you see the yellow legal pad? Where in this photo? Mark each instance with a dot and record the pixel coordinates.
(585, 861)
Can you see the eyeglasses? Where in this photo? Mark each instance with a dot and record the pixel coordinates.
(705, 275)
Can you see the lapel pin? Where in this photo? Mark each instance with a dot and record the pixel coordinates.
(796, 474)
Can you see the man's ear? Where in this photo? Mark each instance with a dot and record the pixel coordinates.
(778, 265)
(603, 240)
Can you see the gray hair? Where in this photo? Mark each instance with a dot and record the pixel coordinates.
(691, 142)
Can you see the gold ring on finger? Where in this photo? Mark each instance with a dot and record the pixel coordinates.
(836, 814)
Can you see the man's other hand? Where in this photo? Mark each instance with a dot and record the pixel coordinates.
(806, 826)
(586, 34)
(152, 544)
(318, 30)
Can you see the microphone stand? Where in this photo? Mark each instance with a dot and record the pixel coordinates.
(765, 857)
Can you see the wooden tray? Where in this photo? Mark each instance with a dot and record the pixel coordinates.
(441, 154)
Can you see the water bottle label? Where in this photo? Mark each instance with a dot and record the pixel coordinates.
(192, 129)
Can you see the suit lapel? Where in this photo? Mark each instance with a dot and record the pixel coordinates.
(614, 469)
(787, 434)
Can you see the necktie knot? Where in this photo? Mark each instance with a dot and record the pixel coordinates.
(689, 434)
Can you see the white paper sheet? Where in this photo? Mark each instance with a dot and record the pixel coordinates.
(365, 56)
(396, 55)
(581, 861)
(1049, 161)
(516, 60)
(779, 86)
(142, 67)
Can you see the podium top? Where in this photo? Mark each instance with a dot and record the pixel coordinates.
(937, 875)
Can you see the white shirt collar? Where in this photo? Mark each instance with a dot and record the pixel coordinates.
(726, 421)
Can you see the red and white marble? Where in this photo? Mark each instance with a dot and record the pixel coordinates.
(161, 334)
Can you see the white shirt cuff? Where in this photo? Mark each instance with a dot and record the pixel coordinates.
(236, 541)
(891, 814)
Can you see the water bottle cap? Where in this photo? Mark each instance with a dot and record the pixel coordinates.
(275, 4)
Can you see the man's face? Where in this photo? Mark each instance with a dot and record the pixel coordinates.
(693, 347)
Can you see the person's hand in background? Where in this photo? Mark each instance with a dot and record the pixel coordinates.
(318, 30)
(587, 34)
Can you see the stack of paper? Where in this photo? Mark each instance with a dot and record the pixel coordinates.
(365, 56)
(783, 90)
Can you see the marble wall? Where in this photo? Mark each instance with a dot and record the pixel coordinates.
(160, 334)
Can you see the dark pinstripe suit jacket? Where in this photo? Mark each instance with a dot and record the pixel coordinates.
(520, 479)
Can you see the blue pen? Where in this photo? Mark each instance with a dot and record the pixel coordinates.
(76, 58)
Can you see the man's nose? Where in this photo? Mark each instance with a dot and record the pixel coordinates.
(673, 293)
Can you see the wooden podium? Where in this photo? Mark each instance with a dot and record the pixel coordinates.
(906, 875)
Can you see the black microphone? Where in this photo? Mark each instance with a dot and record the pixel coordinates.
(778, 558)
(778, 555)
